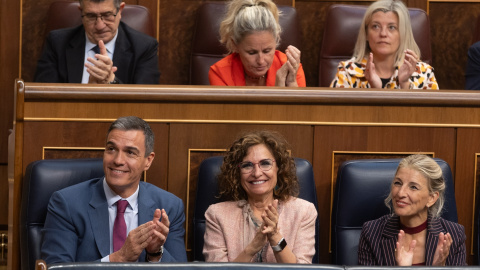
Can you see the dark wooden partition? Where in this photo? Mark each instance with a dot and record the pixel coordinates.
(324, 126)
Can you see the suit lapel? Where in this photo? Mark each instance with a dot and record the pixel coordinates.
(434, 228)
(389, 240)
(98, 213)
(146, 206)
(75, 55)
(122, 55)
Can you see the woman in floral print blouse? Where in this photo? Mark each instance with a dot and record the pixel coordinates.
(385, 55)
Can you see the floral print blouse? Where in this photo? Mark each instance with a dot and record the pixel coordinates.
(350, 74)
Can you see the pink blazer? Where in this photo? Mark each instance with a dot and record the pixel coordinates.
(229, 230)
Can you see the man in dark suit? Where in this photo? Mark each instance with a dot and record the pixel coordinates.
(102, 50)
(83, 224)
(472, 73)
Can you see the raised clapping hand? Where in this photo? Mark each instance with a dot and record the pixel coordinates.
(287, 74)
(403, 256)
(149, 236)
(266, 230)
(270, 223)
(371, 74)
(443, 249)
(101, 69)
(406, 70)
(160, 232)
(137, 240)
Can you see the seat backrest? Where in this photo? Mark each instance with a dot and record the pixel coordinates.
(207, 194)
(206, 46)
(360, 191)
(42, 179)
(63, 14)
(341, 31)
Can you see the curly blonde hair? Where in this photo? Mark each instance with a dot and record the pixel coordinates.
(229, 177)
(246, 16)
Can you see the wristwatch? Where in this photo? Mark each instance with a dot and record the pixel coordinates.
(280, 246)
(156, 254)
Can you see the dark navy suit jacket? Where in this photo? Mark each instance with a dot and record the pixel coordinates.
(62, 60)
(76, 227)
(472, 72)
(379, 237)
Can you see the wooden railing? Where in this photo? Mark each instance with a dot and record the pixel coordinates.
(325, 126)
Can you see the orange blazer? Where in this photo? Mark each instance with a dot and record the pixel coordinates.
(229, 71)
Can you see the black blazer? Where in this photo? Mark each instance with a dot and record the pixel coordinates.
(472, 73)
(379, 238)
(63, 56)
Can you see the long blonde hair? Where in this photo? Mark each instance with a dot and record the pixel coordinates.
(407, 41)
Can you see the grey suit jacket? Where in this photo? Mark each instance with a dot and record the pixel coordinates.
(76, 227)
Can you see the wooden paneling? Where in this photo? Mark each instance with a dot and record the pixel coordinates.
(468, 147)
(219, 136)
(77, 135)
(317, 122)
(33, 31)
(452, 25)
(10, 21)
(285, 106)
(312, 16)
(9, 69)
(177, 19)
(3, 195)
(375, 140)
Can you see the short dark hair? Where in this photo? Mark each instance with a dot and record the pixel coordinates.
(135, 123)
(116, 3)
(229, 177)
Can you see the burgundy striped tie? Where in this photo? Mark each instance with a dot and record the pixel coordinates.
(119, 226)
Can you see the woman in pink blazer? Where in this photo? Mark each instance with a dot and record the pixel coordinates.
(260, 219)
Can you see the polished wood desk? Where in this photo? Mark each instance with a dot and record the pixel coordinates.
(324, 126)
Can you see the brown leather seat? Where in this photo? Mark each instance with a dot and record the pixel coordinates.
(341, 31)
(207, 49)
(62, 14)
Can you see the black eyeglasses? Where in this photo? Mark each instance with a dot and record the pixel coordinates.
(106, 17)
(264, 165)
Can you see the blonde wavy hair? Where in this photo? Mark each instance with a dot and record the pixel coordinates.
(430, 169)
(407, 41)
(246, 16)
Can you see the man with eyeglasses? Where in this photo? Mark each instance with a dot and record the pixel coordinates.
(102, 50)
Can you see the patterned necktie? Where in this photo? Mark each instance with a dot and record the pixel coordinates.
(119, 226)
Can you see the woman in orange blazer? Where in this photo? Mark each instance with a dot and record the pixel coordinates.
(251, 33)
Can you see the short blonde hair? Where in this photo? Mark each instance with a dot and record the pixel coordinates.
(407, 41)
(244, 17)
(430, 169)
